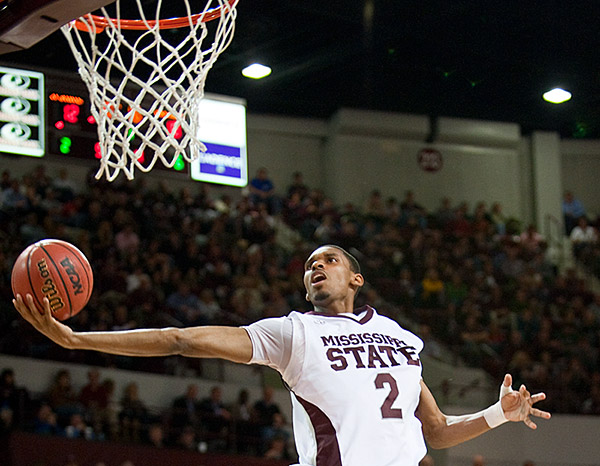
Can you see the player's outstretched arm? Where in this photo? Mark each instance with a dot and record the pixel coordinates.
(442, 431)
(232, 343)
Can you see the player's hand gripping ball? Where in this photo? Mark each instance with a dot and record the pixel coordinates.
(56, 270)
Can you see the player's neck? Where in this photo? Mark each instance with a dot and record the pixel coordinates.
(337, 307)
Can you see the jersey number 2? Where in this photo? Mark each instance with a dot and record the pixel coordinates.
(386, 408)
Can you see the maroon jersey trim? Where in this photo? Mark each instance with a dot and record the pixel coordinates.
(328, 449)
(370, 312)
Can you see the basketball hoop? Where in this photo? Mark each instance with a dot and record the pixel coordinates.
(145, 87)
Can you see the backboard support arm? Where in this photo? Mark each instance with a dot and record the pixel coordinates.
(24, 23)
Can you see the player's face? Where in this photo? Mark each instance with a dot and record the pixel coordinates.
(328, 277)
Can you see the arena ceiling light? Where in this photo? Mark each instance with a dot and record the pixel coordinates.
(557, 96)
(256, 71)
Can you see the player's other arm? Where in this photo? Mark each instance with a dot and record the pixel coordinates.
(231, 343)
(442, 431)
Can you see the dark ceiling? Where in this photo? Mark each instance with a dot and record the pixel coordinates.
(466, 58)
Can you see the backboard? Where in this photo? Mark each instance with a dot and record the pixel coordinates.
(23, 23)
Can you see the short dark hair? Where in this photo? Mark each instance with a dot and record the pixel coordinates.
(354, 265)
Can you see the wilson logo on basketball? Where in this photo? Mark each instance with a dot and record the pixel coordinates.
(73, 275)
(48, 287)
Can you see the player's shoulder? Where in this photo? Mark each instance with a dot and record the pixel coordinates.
(407, 334)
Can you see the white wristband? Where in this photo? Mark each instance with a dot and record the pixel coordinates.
(494, 415)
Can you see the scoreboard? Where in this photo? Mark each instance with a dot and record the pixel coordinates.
(22, 128)
(72, 129)
(61, 125)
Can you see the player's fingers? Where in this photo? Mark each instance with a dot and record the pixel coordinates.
(523, 391)
(529, 423)
(31, 304)
(539, 413)
(47, 311)
(20, 306)
(25, 310)
(18, 301)
(538, 397)
(506, 387)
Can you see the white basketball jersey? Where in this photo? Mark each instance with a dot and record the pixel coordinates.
(355, 390)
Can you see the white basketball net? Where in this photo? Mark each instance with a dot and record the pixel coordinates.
(159, 119)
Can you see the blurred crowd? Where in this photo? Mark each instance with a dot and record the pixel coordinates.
(465, 278)
(193, 421)
(583, 233)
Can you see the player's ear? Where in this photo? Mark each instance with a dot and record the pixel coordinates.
(358, 280)
(307, 298)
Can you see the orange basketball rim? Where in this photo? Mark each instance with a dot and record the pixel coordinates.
(101, 22)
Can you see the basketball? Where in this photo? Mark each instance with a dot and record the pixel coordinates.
(56, 270)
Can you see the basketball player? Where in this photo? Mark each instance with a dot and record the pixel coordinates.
(354, 376)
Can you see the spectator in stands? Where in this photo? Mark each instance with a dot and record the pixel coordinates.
(531, 240)
(133, 415)
(185, 409)
(65, 187)
(94, 398)
(481, 222)
(155, 436)
(14, 402)
(297, 186)
(187, 439)
(326, 231)
(456, 290)
(406, 289)
(583, 238)
(185, 305)
(572, 209)
(432, 289)
(262, 191)
(31, 230)
(474, 337)
(410, 208)
(460, 226)
(210, 310)
(348, 234)
(509, 262)
(78, 428)
(122, 319)
(45, 422)
(278, 449)
(62, 397)
(216, 420)
(264, 410)
(393, 211)
(409, 205)
(275, 303)
(375, 207)
(109, 415)
(444, 214)
(127, 240)
(12, 201)
(243, 421)
(277, 437)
